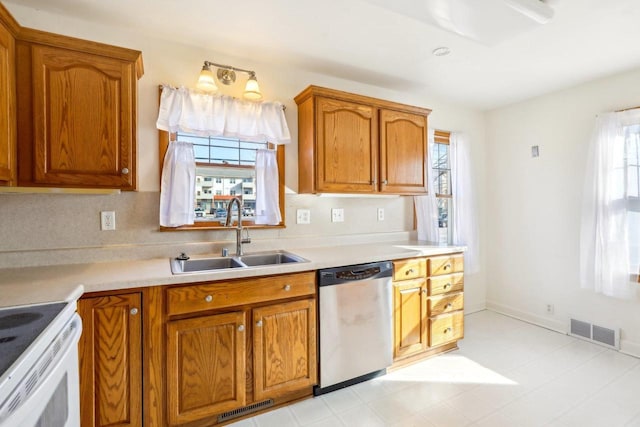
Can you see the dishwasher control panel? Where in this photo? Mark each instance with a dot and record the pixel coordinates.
(337, 275)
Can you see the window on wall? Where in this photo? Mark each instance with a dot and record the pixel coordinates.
(225, 168)
(441, 166)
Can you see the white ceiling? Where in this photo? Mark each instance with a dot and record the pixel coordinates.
(386, 44)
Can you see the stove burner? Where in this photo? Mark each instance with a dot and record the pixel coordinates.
(18, 319)
(6, 339)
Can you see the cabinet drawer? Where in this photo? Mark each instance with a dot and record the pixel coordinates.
(229, 293)
(443, 284)
(409, 269)
(445, 264)
(446, 328)
(445, 304)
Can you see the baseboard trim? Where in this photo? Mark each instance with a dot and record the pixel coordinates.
(627, 347)
(544, 322)
(474, 308)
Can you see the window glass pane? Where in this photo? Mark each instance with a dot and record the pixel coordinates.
(444, 231)
(441, 168)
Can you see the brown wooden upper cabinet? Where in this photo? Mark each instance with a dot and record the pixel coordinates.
(356, 144)
(8, 29)
(68, 110)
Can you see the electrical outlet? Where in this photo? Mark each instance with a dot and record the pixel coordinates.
(380, 214)
(107, 220)
(550, 309)
(337, 215)
(303, 216)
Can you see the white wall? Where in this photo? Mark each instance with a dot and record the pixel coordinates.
(535, 203)
(177, 64)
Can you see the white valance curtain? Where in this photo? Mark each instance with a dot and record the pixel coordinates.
(193, 112)
(464, 218)
(604, 242)
(198, 113)
(427, 206)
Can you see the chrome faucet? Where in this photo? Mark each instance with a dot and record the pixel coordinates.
(239, 239)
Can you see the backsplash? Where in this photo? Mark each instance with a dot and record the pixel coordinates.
(51, 229)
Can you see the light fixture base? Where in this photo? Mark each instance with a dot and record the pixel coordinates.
(226, 76)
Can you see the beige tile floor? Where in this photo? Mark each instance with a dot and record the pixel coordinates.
(507, 373)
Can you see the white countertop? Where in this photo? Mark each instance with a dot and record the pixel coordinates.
(35, 285)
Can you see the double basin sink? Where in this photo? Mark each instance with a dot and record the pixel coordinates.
(259, 259)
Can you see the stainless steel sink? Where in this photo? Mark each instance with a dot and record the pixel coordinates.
(203, 264)
(270, 258)
(260, 259)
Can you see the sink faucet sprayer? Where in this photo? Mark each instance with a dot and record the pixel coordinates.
(239, 228)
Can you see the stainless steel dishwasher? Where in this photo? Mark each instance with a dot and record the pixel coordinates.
(356, 330)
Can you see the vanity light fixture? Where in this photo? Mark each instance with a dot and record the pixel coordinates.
(226, 75)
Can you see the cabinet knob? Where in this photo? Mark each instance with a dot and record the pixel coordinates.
(287, 288)
(424, 291)
(125, 171)
(448, 331)
(240, 328)
(384, 182)
(133, 311)
(447, 286)
(448, 306)
(208, 298)
(259, 323)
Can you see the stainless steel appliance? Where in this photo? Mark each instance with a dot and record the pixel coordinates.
(39, 365)
(356, 329)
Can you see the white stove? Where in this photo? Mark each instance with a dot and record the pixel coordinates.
(39, 365)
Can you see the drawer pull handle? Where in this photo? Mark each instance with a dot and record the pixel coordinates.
(287, 288)
(447, 286)
(448, 306)
(448, 331)
(208, 298)
(133, 311)
(240, 328)
(409, 271)
(259, 323)
(447, 266)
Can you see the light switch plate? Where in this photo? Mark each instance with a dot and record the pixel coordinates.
(303, 216)
(107, 220)
(337, 215)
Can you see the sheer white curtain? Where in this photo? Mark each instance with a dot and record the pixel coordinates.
(267, 188)
(464, 216)
(604, 242)
(427, 206)
(177, 186)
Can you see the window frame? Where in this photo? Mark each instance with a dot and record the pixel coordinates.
(444, 137)
(164, 138)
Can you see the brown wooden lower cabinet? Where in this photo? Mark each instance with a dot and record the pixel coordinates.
(428, 306)
(111, 360)
(284, 348)
(205, 366)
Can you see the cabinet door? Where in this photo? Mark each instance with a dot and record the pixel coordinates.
(403, 152)
(284, 345)
(7, 107)
(346, 146)
(206, 359)
(84, 119)
(111, 361)
(410, 314)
